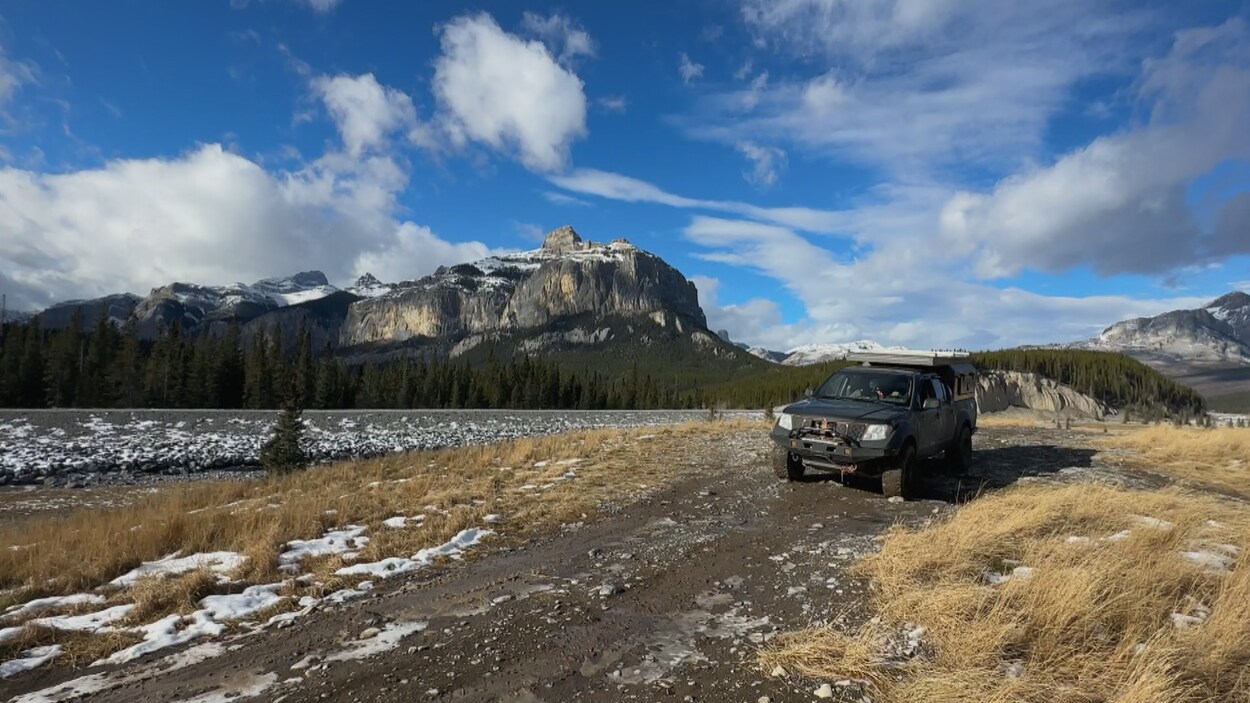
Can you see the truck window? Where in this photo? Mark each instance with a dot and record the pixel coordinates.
(938, 391)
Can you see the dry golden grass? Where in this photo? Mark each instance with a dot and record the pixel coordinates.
(86, 549)
(1092, 623)
(1218, 457)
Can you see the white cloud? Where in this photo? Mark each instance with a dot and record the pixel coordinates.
(613, 103)
(615, 186)
(1120, 204)
(766, 163)
(915, 86)
(561, 199)
(562, 37)
(366, 112)
(688, 69)
(13, 75)
(208, 216)
(894, 301)
(322, 6)
(755, 319)
(509, 94)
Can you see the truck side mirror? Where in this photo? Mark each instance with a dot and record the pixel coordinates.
(807, 393)
(930, 404)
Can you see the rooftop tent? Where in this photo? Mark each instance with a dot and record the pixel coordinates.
(955, 368)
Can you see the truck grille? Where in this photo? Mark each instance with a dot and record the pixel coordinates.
(854, 430)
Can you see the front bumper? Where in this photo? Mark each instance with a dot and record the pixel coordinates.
(832, 453)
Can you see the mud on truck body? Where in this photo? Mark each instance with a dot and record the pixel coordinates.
(881, 418)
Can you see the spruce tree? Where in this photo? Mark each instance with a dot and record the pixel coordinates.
(281, 453)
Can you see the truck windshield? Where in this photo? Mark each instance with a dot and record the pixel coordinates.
(876, 386)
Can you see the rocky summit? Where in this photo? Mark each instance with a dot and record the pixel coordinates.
(567, 279)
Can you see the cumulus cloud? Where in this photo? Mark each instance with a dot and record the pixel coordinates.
(755, 319)
(766, 163)
(213, 216)
(879, 297)
(563, 38)
(365, 111)
(688, 69)
(208, 216)
(509, 94)
(1120, 203)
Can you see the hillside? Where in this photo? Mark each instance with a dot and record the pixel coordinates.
(1207, 348)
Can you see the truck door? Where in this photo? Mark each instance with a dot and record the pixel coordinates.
(928, 420)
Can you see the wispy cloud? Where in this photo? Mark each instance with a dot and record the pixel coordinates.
(687, 69)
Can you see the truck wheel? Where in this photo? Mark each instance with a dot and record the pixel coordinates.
(959, 454)
(785, 465)
(898, 481)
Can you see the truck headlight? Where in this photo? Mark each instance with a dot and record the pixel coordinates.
(785, 421)
(876, 433)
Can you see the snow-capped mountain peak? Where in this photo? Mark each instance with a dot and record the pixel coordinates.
(368, 286)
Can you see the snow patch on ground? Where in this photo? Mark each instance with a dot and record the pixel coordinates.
(167, 632)
(220, 563)
(17, 611)
(384, 641)
(30, 659)
(400, 521)
(90, 622)
(240, 605)
(347, 542)
(251, 686)
(392, 566)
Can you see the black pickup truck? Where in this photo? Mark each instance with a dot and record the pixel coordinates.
(880, 418)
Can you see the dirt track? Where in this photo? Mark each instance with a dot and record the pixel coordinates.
(664, 600)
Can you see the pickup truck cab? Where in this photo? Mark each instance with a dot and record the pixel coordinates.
(880, 418)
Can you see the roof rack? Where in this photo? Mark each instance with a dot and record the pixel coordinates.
(910, 357)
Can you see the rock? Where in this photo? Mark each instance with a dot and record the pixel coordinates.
(562, 239)
(778, 671)
(825, 691)
(763, 699)
(369, 633)
(609, 589)
(895, 499)
(999, 390)
(568, 277)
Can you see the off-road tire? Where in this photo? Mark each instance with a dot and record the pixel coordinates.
(958, 457)
(785, 465)
(899, 480)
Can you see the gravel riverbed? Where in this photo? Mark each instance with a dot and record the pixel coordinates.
(91, 447)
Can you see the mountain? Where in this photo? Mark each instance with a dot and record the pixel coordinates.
(533, 294)
(118, 307)
(569, 297)
(807, 354)
(1207, 348)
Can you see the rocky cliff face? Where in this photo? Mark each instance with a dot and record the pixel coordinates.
(567, 278)
(1219, 332)
(1000, 390)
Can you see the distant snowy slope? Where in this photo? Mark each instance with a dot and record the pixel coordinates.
(809, 354)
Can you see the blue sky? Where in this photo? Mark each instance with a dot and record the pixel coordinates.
(932, 173)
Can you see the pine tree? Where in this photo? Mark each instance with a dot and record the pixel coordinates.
(281, 453)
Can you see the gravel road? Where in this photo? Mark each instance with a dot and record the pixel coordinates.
(666, 599)
(92, 447)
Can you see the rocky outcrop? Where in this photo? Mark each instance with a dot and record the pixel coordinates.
(568, 277)
(1219, 332)
(1000, 390)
